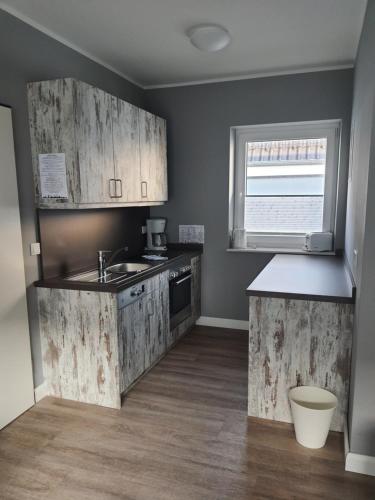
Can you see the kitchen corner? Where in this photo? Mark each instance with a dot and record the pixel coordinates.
(187, 290)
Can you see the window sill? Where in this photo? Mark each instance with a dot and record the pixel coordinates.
(279, 250)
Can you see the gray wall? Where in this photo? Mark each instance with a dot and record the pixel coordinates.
(360, 235)
(28, 55)
(199, 118)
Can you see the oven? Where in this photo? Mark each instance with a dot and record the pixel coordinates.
(179, 295)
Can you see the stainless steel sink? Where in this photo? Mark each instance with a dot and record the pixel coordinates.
(115, 274)
(128, 267)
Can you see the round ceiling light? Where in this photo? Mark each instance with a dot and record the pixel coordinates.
(209, 37)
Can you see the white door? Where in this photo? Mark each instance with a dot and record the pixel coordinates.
(16, 382)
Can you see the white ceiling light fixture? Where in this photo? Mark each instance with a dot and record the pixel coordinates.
(209, 37)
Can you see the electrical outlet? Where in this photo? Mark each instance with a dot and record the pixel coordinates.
(34, 248)
(144, 229)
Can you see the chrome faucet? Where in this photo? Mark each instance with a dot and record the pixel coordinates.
(102, 260)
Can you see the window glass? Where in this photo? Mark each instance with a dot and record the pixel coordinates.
(285, 185)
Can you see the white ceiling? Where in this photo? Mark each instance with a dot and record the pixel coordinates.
(145, 40)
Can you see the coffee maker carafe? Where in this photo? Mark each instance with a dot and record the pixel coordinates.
(156, 237)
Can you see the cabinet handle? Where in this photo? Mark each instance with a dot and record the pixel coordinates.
(151, 310)
(120, 181)
(144, 189)
(112, 188)
(182, 280)
(137, 293)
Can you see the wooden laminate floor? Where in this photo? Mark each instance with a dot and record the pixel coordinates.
(182, 434)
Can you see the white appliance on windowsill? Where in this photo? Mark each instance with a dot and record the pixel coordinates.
(318, 242)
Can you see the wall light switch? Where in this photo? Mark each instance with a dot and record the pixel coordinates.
(355, 259)
(34, 248)
(144, 229)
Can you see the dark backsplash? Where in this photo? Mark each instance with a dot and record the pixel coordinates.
(70, 238)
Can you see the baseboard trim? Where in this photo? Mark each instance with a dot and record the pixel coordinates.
(346, 437)
(234, 324)
(361, 464)
(40, 392)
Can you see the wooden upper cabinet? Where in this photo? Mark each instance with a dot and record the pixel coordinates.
(153, 151)
(125, 118)
(94, 143)
(115, 153)
(74, 118)
(52, 130)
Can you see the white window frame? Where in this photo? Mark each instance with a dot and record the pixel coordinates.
(274, 132)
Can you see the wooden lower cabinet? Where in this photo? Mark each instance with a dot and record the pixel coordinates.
(96, 345)
(79, 345)
(132, 337)
(93, 347)
(157, 324)
(143, 327)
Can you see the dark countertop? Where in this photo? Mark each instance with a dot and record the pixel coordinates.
(305, 277)
(177, 254)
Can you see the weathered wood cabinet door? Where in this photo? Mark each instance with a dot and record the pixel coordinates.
(133, 332)
(71, 117)
(153, 151)
(80, 345)
(157, 310)
(142, 329)
(125, 119)
(52, 130)
(93, 116)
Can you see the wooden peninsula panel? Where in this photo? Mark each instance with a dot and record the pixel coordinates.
(297, 342)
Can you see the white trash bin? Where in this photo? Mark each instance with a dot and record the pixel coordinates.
(312, 411)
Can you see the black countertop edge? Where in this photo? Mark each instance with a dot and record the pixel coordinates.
(197, 247)
(302, 296)
(157, 267)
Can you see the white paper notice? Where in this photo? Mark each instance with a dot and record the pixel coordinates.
(191, 234)
(52, 170)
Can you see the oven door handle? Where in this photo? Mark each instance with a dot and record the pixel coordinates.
(183, 279)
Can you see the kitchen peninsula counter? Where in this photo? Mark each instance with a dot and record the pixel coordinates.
(300, 333)
(305, 277)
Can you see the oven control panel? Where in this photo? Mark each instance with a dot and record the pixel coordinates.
(175, 273)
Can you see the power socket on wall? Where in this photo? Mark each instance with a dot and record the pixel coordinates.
(34, 248)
